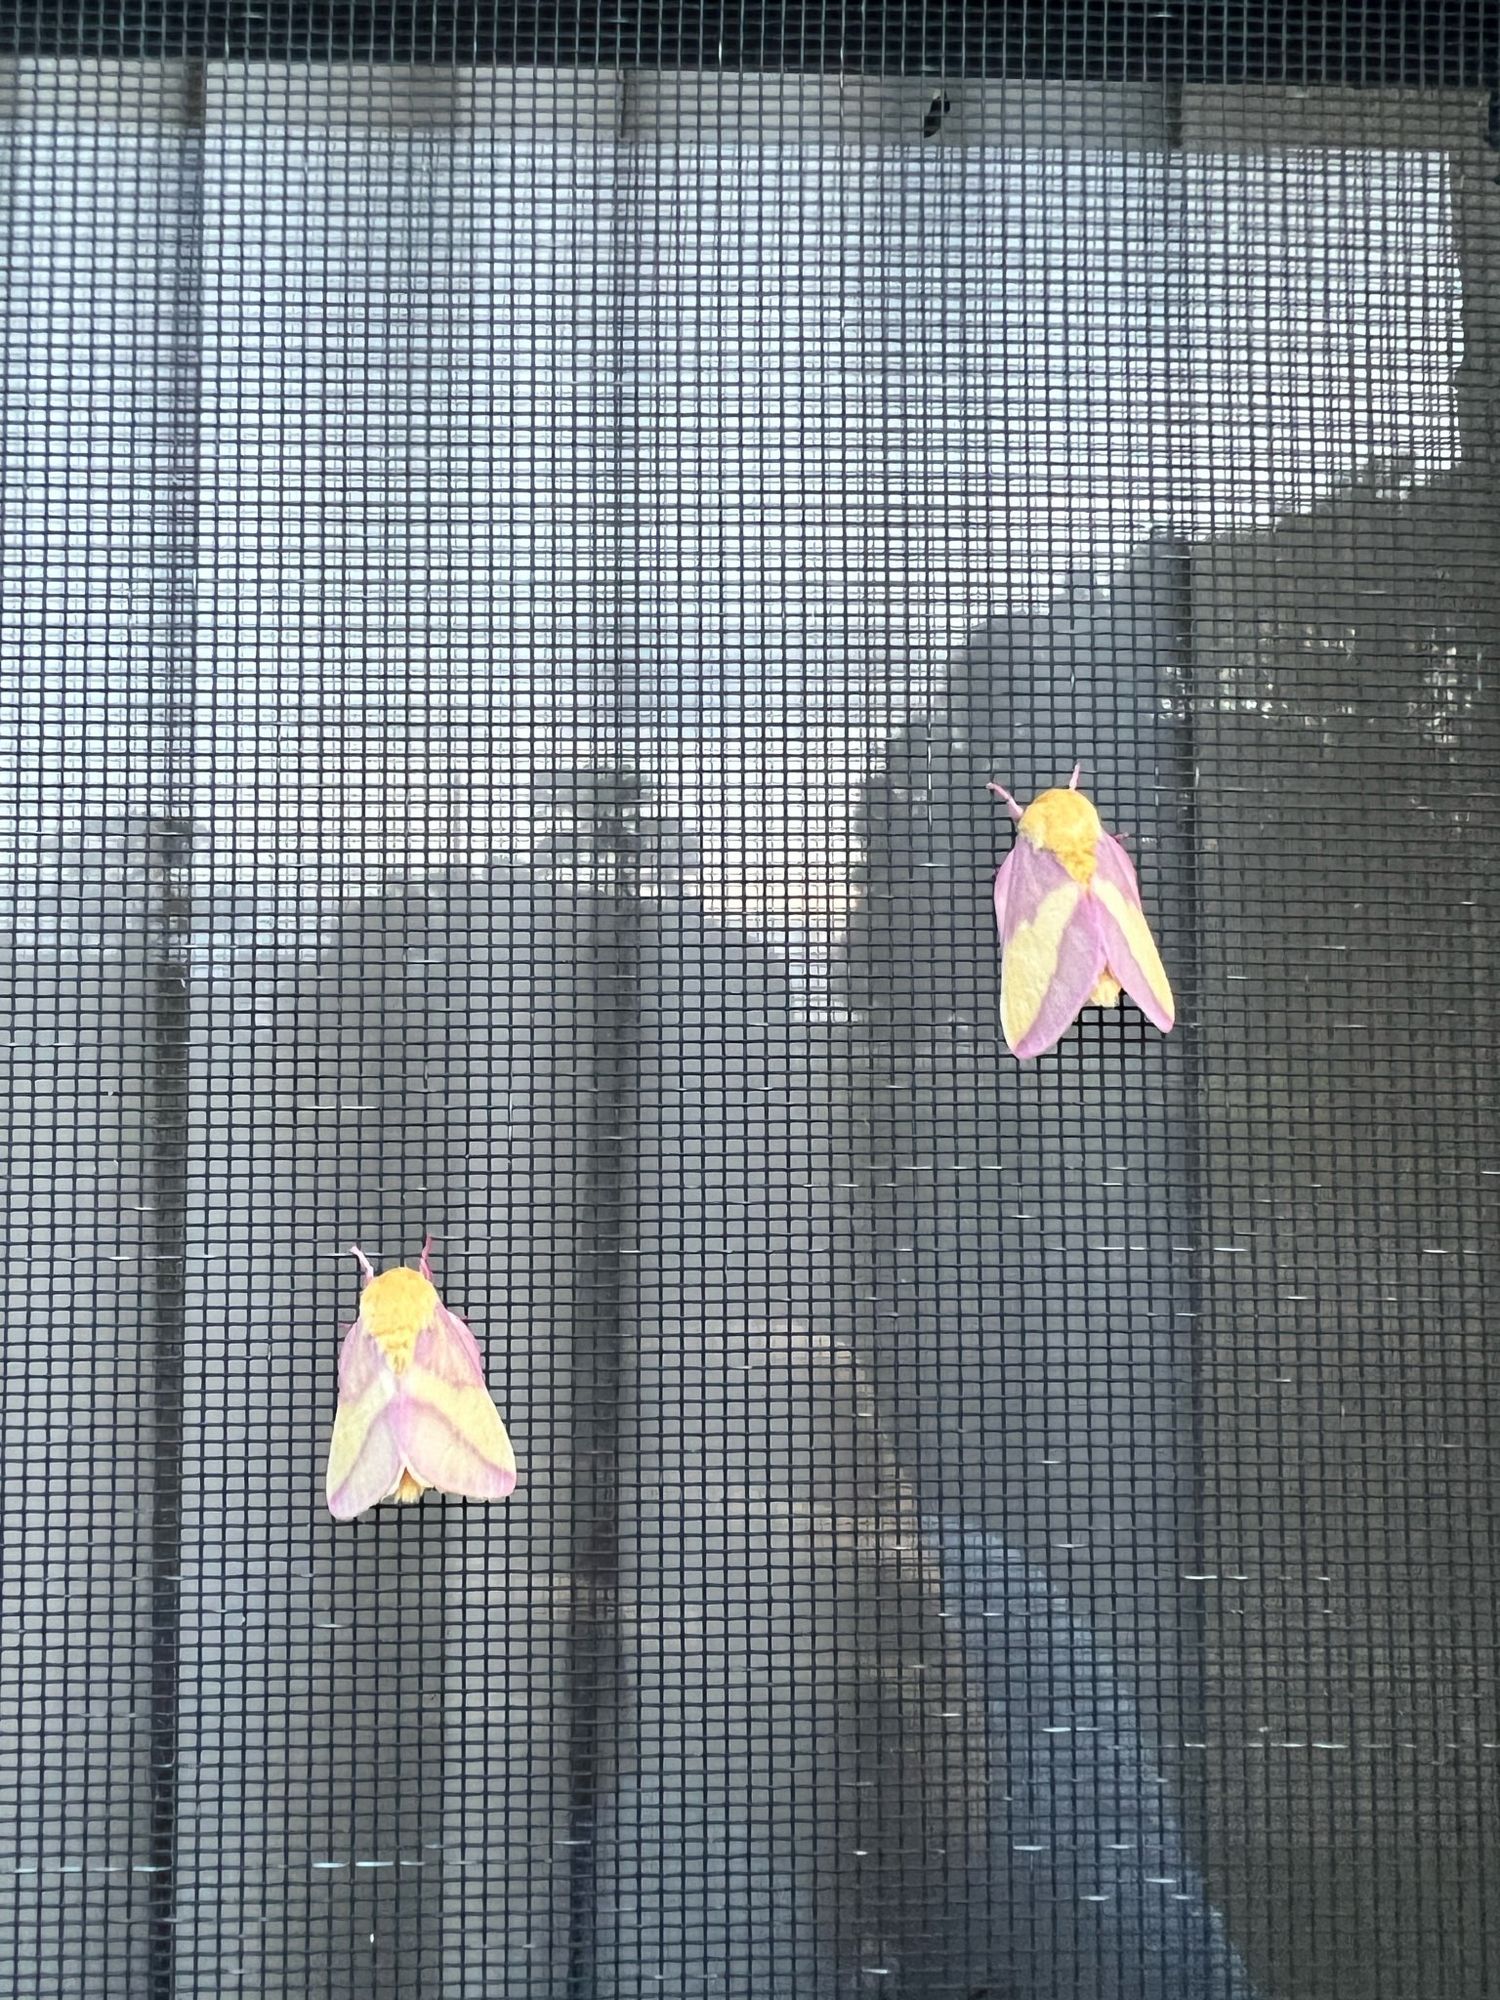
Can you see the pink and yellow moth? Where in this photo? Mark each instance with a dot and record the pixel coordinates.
(1072, 930)
(413, 1409)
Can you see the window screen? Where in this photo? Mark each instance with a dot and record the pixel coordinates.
(524, 543)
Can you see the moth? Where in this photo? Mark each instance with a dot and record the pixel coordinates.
(1072, 930)
(413, 1408)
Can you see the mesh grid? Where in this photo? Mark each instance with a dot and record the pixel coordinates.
(524, 541)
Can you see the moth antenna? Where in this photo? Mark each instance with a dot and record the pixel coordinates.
(1073, 781)
(425, 1267)
(1001, 793)
(364, 1262)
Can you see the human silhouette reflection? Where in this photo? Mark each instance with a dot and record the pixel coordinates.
(834, 1749)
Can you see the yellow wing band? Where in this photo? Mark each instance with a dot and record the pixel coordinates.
(352, 1424)
(1030, 961)
(1142, 945)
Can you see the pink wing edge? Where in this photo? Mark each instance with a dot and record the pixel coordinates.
(1025, 877)
(1004, 871)
(1115, 866)
(1002, 886)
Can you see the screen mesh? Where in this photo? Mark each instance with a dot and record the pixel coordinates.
(524, 541)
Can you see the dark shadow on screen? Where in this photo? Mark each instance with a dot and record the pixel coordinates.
(809, 1760)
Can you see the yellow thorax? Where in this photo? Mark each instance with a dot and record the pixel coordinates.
(395, 1307)
(1065, 824)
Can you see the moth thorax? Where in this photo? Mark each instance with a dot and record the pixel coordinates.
(395, 1307)
(1065, 824)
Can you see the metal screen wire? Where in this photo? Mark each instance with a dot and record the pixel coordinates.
(516, 577)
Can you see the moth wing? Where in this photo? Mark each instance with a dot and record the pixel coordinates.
(1129, 948)
(449, 1430)
(1052, 952)
(364, 1455)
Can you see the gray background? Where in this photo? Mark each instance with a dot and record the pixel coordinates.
(515, 586)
